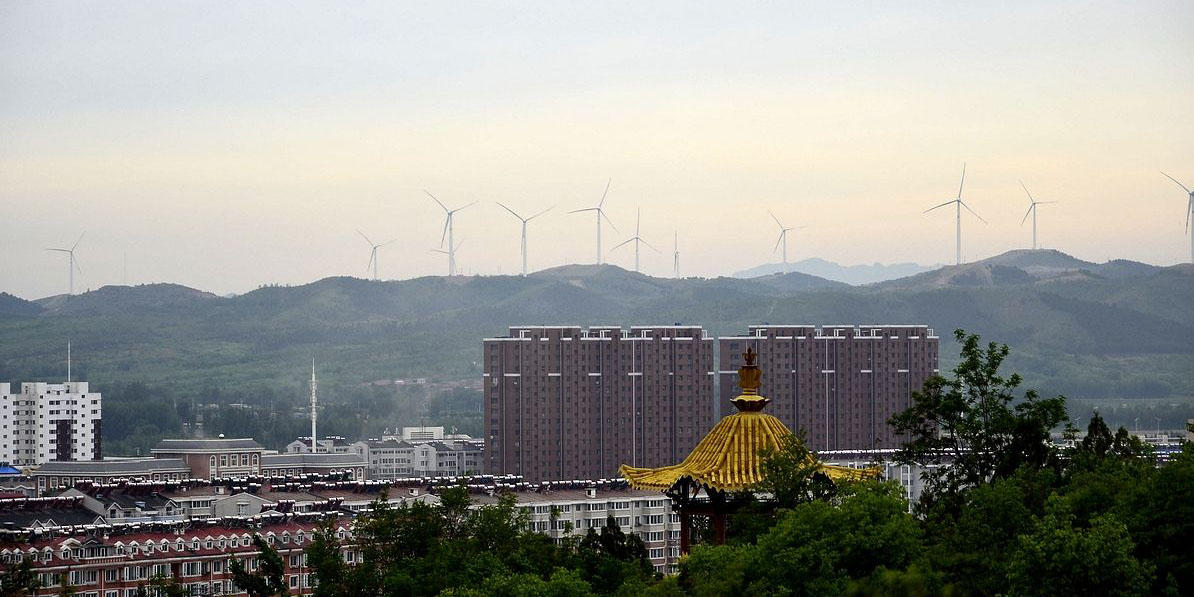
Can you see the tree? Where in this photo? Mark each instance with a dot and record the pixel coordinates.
(268, 581)
(329, 572)
(816, 548)
(790, 474)
(971, 429)
(19, 580)
(1057, 558)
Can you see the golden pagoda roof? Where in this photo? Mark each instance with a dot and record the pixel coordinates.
(728, 459)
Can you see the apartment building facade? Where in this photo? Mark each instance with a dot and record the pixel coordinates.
(45, 422)
(566, 402)
(838, 384)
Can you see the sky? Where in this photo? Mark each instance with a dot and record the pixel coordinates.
(226, 145)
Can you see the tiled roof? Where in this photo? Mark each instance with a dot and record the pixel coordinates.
(112, 467)
(200, 445)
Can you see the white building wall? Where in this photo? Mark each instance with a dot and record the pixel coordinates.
(29, 421)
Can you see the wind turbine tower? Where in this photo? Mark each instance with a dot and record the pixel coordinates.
(600, 214)
(637, 241)
(447, 234)
(676, 254)
(524, 232)
(1032, 209)
(958, 205)
(1189, 212)
(72, 265)
(314, 409)
(783, 237)
(373, 253)
(451, 253)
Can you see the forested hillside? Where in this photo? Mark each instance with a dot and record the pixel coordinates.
(1078, 332)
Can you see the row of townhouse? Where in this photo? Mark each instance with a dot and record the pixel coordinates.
(75, 538)
(115, 560)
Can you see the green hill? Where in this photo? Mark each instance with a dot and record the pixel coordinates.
(1088, 335)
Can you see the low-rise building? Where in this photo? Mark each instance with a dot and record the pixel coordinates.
(212, 458)
(291, 465)
(52, 477)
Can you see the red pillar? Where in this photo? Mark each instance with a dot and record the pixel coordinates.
(685, 532)
(719, 528)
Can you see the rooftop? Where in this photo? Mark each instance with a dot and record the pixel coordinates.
(112, 467)
(206, 445)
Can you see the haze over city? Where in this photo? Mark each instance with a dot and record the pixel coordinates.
(228, 146)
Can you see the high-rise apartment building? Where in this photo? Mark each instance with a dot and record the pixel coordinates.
(49, 422)
(562, 402)
(839, 384)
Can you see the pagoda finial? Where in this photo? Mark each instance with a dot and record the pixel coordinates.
(750, 378)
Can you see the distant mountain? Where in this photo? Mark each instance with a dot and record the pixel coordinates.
(121, 299)
(1080, 330)
(848, 274)
(16, 306)
(1023, 267)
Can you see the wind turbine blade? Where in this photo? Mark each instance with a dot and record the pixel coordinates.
(79, 241)
(365, 237)
(638, 218)
(60, 250)
(963, 181)
(779, 240)
(469, 205)
(781, 226)
(621, 243)
(369, 265)
(445, 208)
(539, 214)
(1026, 214)
(649, 245)
(972, 211)
(1189, 209)
(75, 262)
(1026, 191)
(458, 245)
(1175, 180)
(509, 210)
(576, 211)
(439, 251)
(603, 193)
(939, 206)
(611, 222)
(389, 242)
(445, 233)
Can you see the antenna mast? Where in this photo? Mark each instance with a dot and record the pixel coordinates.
(314, 404)
(68, 361)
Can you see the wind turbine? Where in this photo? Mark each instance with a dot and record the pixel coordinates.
(676, 254)
(783, 237)
(451, 253)
(448, 232)
(958, 204)
(524, 231)
(373, 253)
(637, 240)
(1189, 211)
(1032, 210)
(72, 265)
(600, 214)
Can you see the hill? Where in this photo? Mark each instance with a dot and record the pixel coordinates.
(848, 274)
(1082, 334)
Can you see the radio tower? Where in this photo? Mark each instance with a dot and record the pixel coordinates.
(314, 405)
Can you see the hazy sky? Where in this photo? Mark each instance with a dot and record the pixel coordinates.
(228, 145)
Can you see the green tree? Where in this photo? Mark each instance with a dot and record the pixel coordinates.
(329, 571)
(816, 548)
(790, 474)
(971, 427)
(19, 579)
(268, 581)
(1057, 558)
